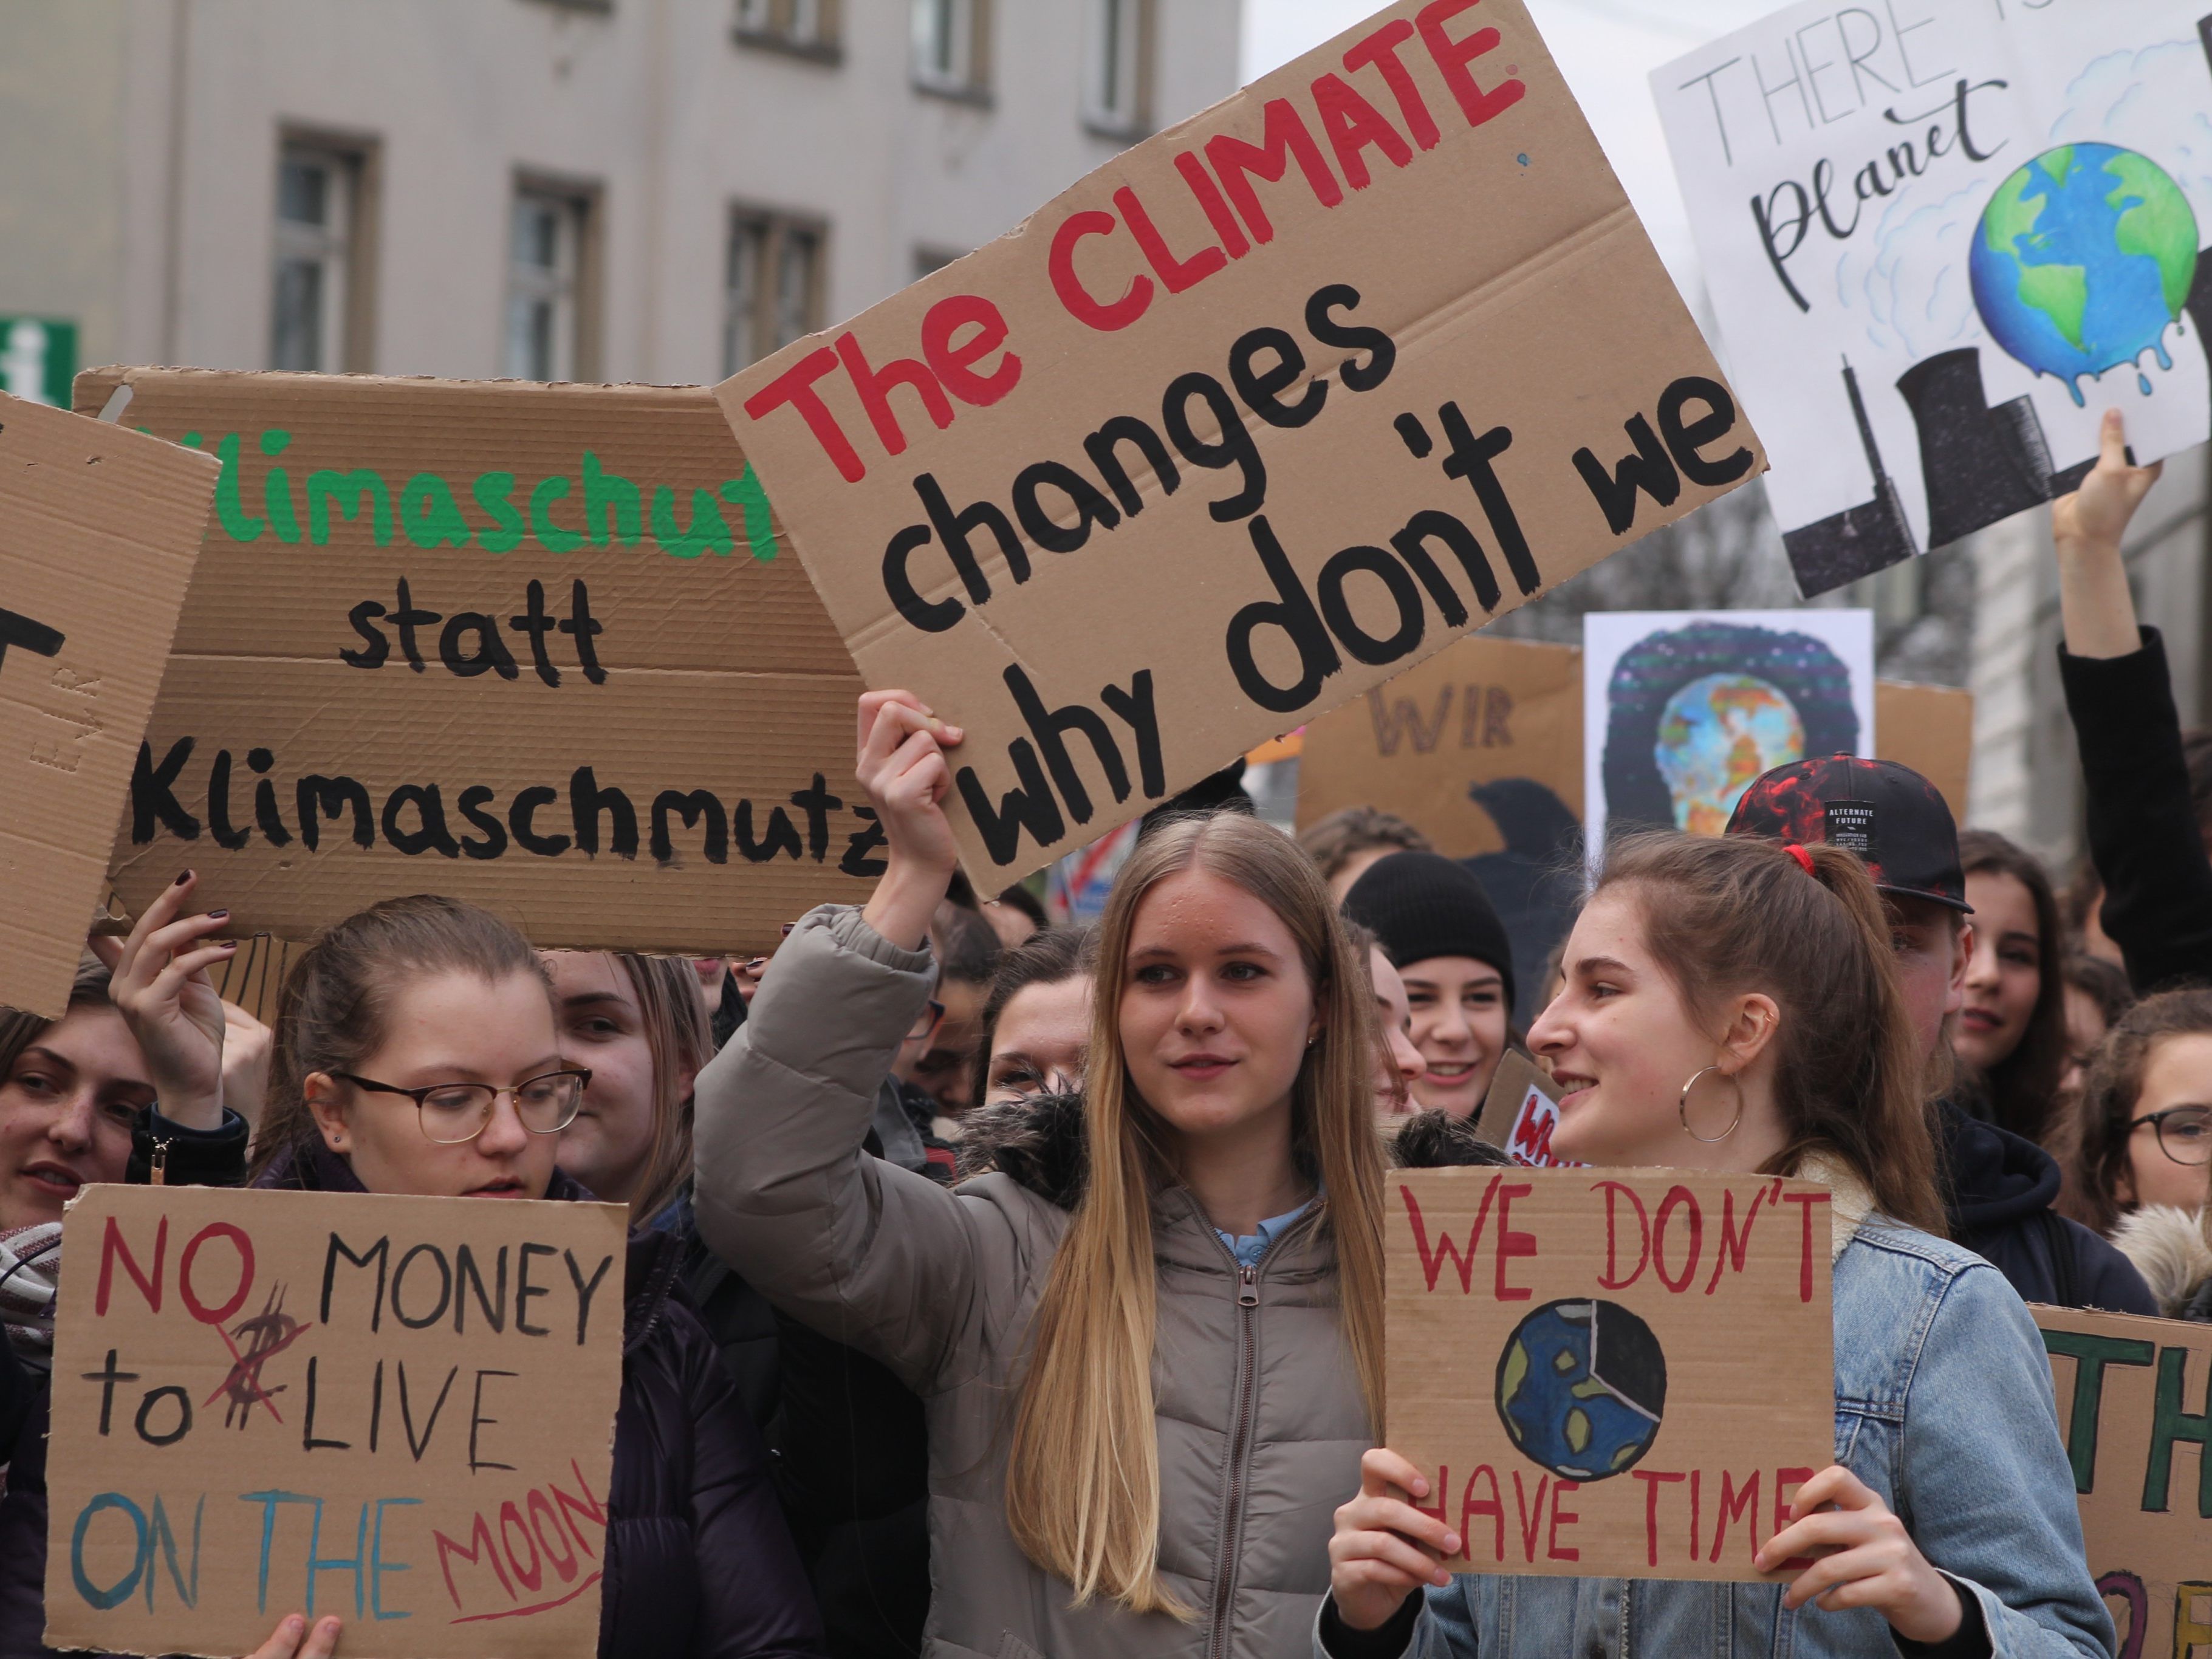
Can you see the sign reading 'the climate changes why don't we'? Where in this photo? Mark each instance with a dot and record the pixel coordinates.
(538, 647)
(1610, 1373)
(397, 1410)
(1272, 405)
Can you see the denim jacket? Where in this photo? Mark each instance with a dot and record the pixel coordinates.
(1944, 1407)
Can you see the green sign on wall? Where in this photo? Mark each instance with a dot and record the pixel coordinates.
(38, 359)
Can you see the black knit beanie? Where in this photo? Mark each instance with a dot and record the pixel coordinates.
(1424, 904)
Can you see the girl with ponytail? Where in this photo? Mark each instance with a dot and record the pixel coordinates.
(1149, 1338)
(1733, 1005)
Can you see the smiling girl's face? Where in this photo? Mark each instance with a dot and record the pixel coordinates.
(1216, 1006)
(447, 1028)
(2004, 975)
(1460, 1025)
(67, 1107)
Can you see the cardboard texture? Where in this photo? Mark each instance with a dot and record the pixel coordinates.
(1930, 728)
(1479, 711)
(1615, 1373)
(254, 977)
(1940, 240)
(1520, 1111)
(2131, 1393)
(397, 1410)
(1270, 406)
(103, 528)
(494, 639)
(1487, 709)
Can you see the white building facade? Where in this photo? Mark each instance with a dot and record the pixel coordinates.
(606, 189)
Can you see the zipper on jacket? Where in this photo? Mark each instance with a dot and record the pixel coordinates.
(1240, 1436)
(157, 1174)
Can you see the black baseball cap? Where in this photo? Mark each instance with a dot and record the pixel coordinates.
(1893, 818)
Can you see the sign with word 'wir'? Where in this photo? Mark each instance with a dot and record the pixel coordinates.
(1266, 409)
(397, 1410)
(99, 530)
(538, 646)
(2133, 1402)
(1611, 1373)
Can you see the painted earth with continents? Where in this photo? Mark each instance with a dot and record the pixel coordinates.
(2082, 260)
(1581, 1385)
(1716, 735)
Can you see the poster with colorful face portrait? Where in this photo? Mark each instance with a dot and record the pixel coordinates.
(1682, 709)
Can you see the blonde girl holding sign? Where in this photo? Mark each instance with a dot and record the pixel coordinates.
(1151, 1350)
(1763, 974)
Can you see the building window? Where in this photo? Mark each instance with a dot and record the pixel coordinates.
(549, 315)
(319, 295)
(808, 29)
(952, 46)
(772, 285)
(1117, 67)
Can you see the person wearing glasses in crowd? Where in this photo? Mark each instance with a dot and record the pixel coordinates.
(2146, 1158)
(418, 1051)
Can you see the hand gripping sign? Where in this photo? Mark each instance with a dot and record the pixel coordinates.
(397, 1410)
(1611, 1373)
(1269, 407)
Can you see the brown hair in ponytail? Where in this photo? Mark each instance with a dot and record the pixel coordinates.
(1728, 914)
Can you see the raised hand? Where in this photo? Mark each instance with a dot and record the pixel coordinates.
(901, 765)
(159, 983)
(2099, 511)
(1866, 1558)
(1384, 1549)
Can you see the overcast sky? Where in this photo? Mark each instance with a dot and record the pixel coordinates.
(1606, 48)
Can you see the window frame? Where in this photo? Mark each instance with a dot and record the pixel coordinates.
(347, 342)
(968, 79)
(777, 226)
(576, 290)
(782, 26)
(1136, 51)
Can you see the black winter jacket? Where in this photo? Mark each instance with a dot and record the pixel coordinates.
(2143, 836)
(699, 1562)
(190, 1158)
(2000, 1192)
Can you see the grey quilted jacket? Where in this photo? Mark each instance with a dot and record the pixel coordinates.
(1260, 1418)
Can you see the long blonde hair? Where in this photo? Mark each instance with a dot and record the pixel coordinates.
(1083, 1489)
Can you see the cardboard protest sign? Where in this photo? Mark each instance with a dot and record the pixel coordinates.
(1520, 1111)
(2131, 1397)
(1552, 1331)
(1682, 710)
(254, 977)
(1432, 744)
(538, 647)
(99, 530)
(1939, 242)
(1278, 402)
(397, 1410)
(1930, 728)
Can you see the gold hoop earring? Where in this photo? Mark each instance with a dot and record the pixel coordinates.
(1682, 1108)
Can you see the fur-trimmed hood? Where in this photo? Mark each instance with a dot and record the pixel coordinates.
(2170, 1250)
(1038, 1143)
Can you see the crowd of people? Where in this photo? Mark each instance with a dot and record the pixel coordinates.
(997, 1288)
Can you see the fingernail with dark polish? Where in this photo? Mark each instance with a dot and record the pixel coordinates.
(184, 878)
(217, 916)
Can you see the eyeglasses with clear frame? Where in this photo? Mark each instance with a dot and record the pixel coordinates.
(2184, 1134)
(453, 1112)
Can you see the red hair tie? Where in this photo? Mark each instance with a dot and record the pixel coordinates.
(1804, 858)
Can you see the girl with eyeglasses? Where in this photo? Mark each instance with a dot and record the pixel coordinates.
(418, 1051)
(2146, 1158)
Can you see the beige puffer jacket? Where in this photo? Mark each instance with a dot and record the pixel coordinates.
(1261, 1420)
